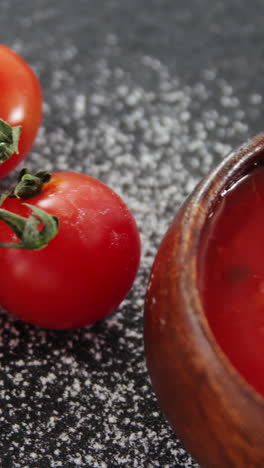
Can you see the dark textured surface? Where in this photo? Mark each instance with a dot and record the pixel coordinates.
(147, 96)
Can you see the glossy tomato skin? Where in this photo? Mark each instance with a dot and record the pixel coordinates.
(20, 102)
(86, 270)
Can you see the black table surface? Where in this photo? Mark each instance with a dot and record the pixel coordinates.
(146, 95)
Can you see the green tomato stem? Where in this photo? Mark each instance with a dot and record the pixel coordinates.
(27, 229)
(9, 137)
(30, 185)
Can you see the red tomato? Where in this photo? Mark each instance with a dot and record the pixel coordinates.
(20, 102)
(86, 270)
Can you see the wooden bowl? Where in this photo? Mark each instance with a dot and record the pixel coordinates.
(216, 413)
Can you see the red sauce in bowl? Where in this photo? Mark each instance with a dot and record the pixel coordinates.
(231, 275)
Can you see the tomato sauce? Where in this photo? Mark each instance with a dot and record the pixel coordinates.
(231, 275)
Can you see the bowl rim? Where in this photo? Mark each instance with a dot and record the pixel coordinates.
(201, 205)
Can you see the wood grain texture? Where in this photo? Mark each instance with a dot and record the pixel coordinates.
(218, 416)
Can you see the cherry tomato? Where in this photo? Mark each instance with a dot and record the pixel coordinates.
(20, 103)
(86, 270)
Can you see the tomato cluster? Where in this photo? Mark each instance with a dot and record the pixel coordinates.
(69, 246)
